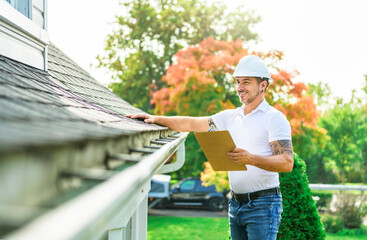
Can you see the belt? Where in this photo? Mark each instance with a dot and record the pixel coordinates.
(246, 197)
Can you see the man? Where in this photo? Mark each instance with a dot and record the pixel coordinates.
(262, 136)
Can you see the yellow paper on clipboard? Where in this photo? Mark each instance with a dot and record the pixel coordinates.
(216, 145)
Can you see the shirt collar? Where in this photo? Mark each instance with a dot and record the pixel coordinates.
(263, 106)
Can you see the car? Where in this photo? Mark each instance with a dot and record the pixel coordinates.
(190, 192)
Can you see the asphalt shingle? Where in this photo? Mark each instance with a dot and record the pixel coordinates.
(63, 105)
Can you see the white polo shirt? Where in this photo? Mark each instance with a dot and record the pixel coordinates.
(254, 132)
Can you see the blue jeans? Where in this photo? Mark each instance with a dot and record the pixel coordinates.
(256, 220)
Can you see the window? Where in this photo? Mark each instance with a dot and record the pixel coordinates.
(23, 35)
(157, 187)
(23, 6)
(188, 185)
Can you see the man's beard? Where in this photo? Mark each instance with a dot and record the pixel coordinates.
(251, 98)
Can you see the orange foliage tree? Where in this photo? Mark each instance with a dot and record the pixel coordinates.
(200, 83)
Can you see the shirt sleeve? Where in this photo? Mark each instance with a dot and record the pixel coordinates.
(279, 128)
(219, 120)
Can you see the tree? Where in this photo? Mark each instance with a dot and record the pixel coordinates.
(323, 152)
(365, 85)
(200, 83)
(311, 146)
(291, 99)
(364, 142)
(300, 219)
(150, 32)
(346, 126)
(311, 141)
(321, 93)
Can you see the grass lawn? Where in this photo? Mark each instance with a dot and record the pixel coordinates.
(187, 228)
(337, 237)
(200, 228)
(349, 234)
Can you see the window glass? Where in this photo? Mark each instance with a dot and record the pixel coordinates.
(187, 185)
(22, 6)
(157, 187)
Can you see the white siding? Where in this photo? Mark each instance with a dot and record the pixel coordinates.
(22, 39)
(38, 13)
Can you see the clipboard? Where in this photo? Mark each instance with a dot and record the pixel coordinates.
(216, 145)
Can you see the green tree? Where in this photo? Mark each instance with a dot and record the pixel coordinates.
(311, 142)
(365, 85)
(310, 145)
(300, 219)
(321, 93)
(345, 124)
(364, 140)
(364, 157)
(150, 32)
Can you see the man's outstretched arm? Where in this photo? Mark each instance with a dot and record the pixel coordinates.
(180, 124)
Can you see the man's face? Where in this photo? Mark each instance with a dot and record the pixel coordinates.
(247, 88)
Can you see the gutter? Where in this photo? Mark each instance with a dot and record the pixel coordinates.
(180, 160)
(90, 215)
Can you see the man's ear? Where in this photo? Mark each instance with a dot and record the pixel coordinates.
(263, 86)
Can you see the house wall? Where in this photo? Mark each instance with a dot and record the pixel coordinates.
(39, 13)
(24, 39)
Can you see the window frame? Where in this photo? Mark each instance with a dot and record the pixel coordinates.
(22, 39)
(28, 5)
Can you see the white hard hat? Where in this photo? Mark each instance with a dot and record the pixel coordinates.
(251, 66)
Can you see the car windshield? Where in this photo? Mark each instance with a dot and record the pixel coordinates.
(184, 184)
(188, 185)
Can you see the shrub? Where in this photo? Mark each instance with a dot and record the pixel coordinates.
(352, 209)
(324, 201)
(300, 219)
(332, 224)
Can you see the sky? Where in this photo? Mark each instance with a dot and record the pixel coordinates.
(324, 40)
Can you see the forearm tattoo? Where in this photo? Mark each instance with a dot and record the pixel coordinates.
(212, 126)
(282, 146)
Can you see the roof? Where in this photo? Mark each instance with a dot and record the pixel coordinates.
(62, 133)
(65, 101)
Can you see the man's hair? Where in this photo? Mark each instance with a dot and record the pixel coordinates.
(259, 80)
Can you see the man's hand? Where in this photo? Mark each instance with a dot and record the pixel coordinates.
(177, 123)
(143, 116)
(240, 156)
(280, 161)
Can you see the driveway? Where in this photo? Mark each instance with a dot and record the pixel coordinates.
(186, 213)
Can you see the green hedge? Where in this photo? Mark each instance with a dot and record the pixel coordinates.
(300, 219)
